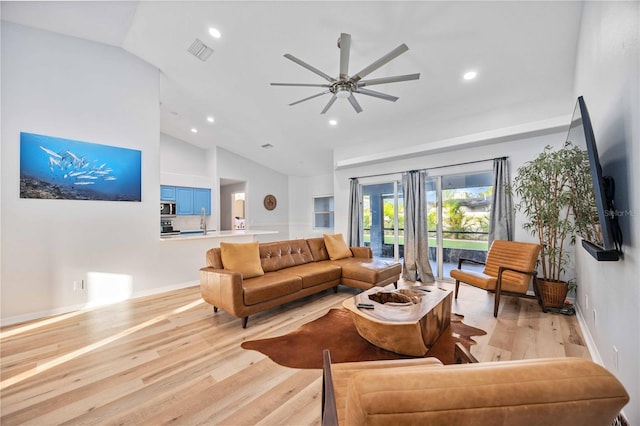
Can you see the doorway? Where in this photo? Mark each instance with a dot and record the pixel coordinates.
(237, 210)
(233, 198)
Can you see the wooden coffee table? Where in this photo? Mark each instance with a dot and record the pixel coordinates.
(407, 330)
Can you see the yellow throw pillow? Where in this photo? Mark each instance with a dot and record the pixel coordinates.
(242, 257)
(336, 247)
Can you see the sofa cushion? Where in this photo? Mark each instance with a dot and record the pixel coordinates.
(242, 257)
(316, 273)
(284, 254)
(371, 271)
(318, 249)
(214, 259)
(336, 247)
(270, 286)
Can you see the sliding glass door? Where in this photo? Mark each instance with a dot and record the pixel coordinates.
(383, 219)
(458, 210)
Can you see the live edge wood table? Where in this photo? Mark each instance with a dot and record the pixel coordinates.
(407, 330)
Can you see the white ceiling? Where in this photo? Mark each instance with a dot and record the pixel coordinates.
(524, 53)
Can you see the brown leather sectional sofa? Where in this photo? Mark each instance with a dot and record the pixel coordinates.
(292, 269)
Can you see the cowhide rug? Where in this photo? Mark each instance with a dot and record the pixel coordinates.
(302, 348)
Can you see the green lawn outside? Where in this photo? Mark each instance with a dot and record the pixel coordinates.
(448, 243)
(461, 244)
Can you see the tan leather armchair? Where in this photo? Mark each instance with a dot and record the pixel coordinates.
(509, 268)
(422, 391)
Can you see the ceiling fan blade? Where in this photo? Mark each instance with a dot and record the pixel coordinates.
(354, 103)
(301, 84)
(309, 67)
(384, 80)
(310, 97)
(380, 62)
(377, 95)
(345, 48)
(331, 101)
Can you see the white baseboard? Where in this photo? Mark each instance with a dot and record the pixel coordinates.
(588, 339)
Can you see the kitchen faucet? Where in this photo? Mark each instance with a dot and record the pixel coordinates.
(203, 221)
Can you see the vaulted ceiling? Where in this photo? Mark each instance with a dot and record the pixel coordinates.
(523, 53)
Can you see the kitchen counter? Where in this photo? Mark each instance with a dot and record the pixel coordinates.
(199, 235)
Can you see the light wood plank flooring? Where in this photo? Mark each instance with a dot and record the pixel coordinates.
(168, 359)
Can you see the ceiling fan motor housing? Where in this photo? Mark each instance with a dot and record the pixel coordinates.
(342, 89)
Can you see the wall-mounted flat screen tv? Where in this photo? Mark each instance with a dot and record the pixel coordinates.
(603, 239)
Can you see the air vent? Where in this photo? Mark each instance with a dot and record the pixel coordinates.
(200, 50)
(266, 146)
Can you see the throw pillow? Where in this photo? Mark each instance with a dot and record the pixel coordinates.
(336, 247)
(242, 257)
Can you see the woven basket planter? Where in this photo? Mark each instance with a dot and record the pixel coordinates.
(553, 293)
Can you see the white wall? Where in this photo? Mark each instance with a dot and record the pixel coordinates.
(180, 158)
(261, 181)
(302, 189)
(607, 75)
(72, 88)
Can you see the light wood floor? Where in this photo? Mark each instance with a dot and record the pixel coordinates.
(170, 359)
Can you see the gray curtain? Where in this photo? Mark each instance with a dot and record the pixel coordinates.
(355, 218)
(416, 265)
(501, 222)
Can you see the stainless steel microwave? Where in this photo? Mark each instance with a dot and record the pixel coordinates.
(167, 208)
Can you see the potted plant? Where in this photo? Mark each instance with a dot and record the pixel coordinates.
(551, 190)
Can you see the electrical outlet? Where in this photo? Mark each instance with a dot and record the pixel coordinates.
(75, 286)
(586, 301)
(78, 285)
(615, 359)
(594, 317)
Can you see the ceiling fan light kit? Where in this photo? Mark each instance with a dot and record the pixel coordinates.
(344, 87)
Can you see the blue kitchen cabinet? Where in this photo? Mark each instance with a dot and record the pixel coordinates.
(184, 201)
(167, 193)
(201, 198)
(190, 201)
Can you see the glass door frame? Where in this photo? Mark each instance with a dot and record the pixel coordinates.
(396, 180)
(436, 180)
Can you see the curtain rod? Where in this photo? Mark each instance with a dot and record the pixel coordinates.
(431, 168)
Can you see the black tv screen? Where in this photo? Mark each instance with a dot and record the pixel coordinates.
(603, 239)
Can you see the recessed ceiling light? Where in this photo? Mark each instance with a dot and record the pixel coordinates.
(194, 130)
(210, 119)
(215, 33)
(333, 122)
(470, 75)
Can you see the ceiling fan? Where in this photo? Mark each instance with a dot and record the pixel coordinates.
(345, 86)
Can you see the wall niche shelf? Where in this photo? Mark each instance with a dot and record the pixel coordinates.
(323, 212)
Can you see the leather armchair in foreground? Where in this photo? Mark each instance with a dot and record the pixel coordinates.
(422, 391)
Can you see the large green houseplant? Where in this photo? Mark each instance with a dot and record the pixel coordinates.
(553, 195)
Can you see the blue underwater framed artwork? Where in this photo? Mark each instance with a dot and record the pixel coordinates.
(57, 168)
